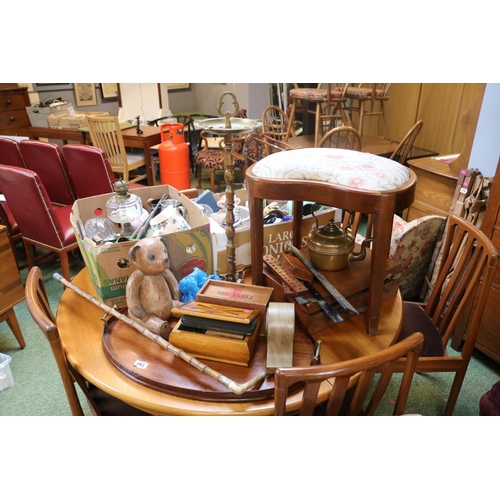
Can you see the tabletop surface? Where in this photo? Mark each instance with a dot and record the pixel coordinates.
(84, 347)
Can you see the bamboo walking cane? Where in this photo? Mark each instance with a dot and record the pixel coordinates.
(168, 346)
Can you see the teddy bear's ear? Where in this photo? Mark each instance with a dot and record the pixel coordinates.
(133, 251)
(163, 241)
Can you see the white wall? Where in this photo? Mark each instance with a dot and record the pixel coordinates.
(486, 146)
(253, 97)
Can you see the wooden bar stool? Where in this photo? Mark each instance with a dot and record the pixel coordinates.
(346, 179)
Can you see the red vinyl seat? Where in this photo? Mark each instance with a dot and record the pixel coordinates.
(47, 160)
(42, 223)
(90, 171)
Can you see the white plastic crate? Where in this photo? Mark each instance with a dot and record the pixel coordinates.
(6, 379)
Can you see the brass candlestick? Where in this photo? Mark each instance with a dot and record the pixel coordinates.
(227, 127)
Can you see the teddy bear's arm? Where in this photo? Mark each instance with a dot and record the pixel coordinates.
(173, 284)
(134, 304)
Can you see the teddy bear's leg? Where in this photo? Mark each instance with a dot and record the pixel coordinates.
(155, 324)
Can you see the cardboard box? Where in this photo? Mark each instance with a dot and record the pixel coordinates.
(109, 264)
(75, 121)
(275, 235)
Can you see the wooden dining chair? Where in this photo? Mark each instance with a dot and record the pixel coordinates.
(47, 160)
(403, 150)
(370, 100)
(275, 123)
(42, 223)
(329, 107)
(344, 137)
(358, 374)
(105, 133)
(468, 264)
(100, 403)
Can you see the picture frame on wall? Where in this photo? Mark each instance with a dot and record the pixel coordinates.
(178, 86)
(85, 94)
(109, 91)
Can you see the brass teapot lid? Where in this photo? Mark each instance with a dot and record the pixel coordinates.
(330, 240)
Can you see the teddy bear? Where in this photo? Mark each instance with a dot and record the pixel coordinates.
(152, 289)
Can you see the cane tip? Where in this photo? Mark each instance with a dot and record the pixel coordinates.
(57, 276)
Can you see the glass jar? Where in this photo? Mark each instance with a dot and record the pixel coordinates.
(124, 207)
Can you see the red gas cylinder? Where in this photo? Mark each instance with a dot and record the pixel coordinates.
(173, 153)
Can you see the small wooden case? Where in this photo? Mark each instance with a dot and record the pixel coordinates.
(215, 347)
(237, 295)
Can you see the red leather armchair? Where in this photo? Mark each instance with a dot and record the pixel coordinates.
(90, 171)
(10, 154)
(42, 223)
(47, 160)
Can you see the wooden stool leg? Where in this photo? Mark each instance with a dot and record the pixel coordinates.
(65, 265)
(291, 121)
(10, 317)
(212, 180)
(361, 112)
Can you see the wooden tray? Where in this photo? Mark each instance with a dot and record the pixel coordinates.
(147, 363)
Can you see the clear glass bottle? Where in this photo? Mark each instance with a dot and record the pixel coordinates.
(123, 208)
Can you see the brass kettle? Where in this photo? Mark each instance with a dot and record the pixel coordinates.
(331, 248)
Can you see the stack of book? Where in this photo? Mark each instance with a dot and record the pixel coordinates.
(216, 332)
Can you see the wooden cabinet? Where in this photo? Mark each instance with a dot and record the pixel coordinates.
(14, 119)
(488, 339)
(11, 286)
(436, 180)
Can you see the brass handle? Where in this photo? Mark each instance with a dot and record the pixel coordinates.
(11, 118)
(227, 115)
(7, 102)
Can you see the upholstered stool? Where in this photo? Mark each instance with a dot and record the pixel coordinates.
(346, 179)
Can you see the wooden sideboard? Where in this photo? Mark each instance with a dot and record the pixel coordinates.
(14, 119)
(435, 188)
(437, 180)
(488, 340)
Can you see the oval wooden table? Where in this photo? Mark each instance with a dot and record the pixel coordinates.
(81, 328)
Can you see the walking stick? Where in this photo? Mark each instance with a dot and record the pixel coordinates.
(168, 346)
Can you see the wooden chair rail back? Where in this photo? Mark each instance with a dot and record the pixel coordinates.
(342, 376)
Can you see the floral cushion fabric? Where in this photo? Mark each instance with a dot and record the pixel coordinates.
(314, 94)
(412, 245)
(355, 92)
(343, 167)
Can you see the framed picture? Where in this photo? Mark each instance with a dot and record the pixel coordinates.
(178, 86)
(109, 91)
(85, 94)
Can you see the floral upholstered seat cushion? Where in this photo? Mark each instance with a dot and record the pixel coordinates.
(366, 92)
(315, 94)
(412, 245)
(343, 167)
